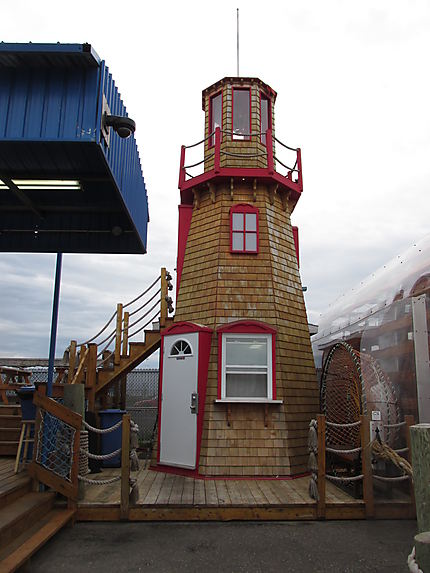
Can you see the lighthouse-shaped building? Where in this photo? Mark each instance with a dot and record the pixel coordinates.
(237, 378)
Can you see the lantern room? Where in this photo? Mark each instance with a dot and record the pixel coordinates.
(239, 144)
(243, 110)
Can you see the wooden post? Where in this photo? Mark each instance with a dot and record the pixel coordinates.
(72, 361)
(299, 167)
(123, 392)
(125, 337)
(366, 463)
(269, 147)
(163, 306)
(118, 337)
(217, 149)
(91, 375)
(125, 466)
(420, 442)
(321, 467)
(410, 421)
(181, 167)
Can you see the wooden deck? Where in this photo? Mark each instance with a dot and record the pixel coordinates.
(164, 496)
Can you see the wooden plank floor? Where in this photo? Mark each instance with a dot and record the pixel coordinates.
(164, 496)
(164, 489)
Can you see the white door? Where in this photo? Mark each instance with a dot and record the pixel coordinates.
(178, 427)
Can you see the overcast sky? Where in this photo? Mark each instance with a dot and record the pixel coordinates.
(353, 89)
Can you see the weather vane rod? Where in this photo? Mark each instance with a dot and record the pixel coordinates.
(237, 34)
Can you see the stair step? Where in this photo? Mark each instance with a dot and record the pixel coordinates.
(22, 514)
(8, 448)
(10, 421)
(9, 434)
(14, 488)
(10, 410)
(26, 545)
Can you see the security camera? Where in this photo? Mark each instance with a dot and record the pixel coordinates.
(123, 126)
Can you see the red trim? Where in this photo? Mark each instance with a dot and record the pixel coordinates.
(196, 475)
(185, 216)
(247, 327)
(264, 96)
(205, 336)
(226, 173)
(243, 208)
(296, 242)
(211, 140)
(185, 327)
(241, 89)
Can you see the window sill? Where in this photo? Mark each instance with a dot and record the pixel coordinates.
(247, 401)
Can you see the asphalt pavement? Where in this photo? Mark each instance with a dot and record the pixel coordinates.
(236, 547)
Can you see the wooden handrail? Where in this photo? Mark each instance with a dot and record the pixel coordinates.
(164, 291)
(80, 371)
(72, 361)
(118, 335)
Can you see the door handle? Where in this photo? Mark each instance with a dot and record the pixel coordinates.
(194, 406)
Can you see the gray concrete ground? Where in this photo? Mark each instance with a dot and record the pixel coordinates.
(335, 546)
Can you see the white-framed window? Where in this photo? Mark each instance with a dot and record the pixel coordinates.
(246, 366)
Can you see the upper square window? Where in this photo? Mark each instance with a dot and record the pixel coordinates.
(244, 229)
(215, 115)
(241, 114)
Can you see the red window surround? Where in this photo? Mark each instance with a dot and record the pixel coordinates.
(247, 327)
(265, 116)
(215, 119)
(241, 120)
(244, 229)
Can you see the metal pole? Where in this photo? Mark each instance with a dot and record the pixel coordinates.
(237, 27)
(54, 321)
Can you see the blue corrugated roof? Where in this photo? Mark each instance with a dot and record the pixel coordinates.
(52, 100)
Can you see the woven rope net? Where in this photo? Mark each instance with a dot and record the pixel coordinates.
(55, 445)
(353, 384)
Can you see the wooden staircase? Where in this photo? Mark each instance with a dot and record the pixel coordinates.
(10, 428)
(27, 519)
(138, 352)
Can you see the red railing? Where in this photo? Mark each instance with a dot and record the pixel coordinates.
(292, 174)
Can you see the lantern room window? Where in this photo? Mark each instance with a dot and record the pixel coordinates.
(265, 117)
(241, 114)
(244, 229)
(215, 115)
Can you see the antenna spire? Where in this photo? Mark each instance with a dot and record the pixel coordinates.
(237, 34)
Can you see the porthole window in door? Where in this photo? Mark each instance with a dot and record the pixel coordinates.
(181, 348)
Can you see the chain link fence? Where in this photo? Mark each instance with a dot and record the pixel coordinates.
(141, 398)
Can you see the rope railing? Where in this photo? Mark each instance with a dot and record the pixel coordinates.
(347, 425)
(152, 285)
(247, 155)
(199, 162)
(145, 304)
(340, 451)
(100, 430)
(100, 331)
(142, 317)
(145, 325)
(199, 142)
(283, 144)
(292, 169)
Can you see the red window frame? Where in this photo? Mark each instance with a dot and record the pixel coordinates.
(244, 208)
(212, 97)
(264, 96)
(238, 137)
(247, 327)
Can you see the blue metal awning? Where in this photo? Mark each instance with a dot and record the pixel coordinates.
(53, 101)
